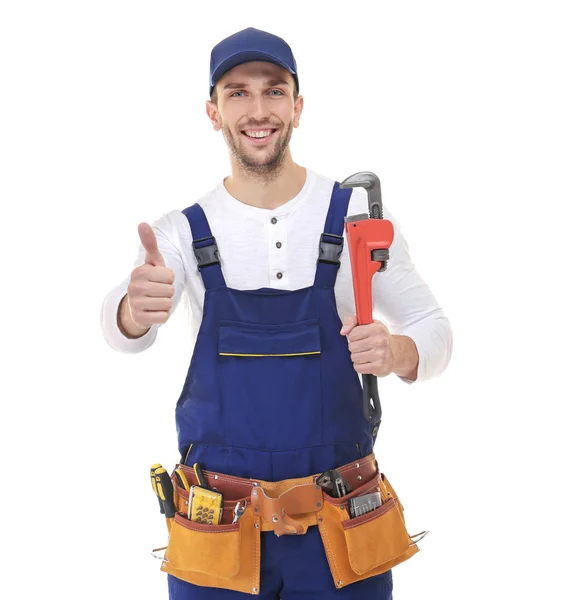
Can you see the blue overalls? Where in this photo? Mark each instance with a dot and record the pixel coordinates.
(271, 393)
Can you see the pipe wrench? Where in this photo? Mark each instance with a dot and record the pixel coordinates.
(369, 237)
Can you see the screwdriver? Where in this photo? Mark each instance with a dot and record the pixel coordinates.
(199, 475)
(182, 479)
(154, 485)
(165, 491)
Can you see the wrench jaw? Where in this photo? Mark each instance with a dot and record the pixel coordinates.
(365, 179)
(370, 182)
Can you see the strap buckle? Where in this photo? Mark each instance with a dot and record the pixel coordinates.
(329, 251)
(207, 254)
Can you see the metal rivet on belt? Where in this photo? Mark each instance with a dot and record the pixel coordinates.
(320, 519)
(255, 492)
(318, 504)
(256, 525)
(216, 476)
(254, 590)
(339, 582)
(256, 509)
(359, 477)
(358, 465)
(275, 518)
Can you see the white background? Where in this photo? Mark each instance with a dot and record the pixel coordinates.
(459, 107)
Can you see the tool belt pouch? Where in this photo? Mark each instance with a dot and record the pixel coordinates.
(367, 545)
(224, 556)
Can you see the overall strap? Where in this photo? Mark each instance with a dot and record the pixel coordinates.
(331, 241)
(205, 247)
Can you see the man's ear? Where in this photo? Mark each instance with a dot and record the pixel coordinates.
(213, 114)
(298, 109)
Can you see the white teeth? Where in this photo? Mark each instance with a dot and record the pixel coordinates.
(258, 134)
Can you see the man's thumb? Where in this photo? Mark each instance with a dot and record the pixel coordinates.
(149, 241)
(349, 323)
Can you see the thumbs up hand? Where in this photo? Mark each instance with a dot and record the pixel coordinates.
(150, 291)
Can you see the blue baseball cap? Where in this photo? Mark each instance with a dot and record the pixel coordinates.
(248, 45)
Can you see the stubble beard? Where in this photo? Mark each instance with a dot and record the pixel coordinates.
(263, 169)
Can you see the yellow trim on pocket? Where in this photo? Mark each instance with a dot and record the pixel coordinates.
(297, 354)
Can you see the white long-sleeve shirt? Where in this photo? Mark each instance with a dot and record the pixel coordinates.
(250, 259)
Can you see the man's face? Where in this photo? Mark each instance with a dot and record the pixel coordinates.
(254, 98)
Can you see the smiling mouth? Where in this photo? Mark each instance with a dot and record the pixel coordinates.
(260, 139)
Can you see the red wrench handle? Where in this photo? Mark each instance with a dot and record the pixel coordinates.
(364, 236)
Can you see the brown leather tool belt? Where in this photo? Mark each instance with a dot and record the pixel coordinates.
(285, 507)
(228, 555)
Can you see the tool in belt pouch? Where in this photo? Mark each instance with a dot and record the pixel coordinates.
(228, 555)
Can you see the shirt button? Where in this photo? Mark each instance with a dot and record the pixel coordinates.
(274, 220)
(278, 244)
(279, 275)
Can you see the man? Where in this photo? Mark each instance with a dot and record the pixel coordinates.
(273, 391)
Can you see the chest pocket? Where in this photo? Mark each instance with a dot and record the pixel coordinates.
(253, 340)
(270, 383)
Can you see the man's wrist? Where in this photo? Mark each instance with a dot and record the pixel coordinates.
(406, 357)
(124, 321)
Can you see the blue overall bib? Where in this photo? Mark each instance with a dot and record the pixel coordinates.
(271, 393)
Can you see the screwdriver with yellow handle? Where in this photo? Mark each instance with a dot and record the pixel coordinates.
(182, 479)
(153, 470)
(165, 491)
